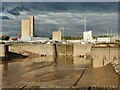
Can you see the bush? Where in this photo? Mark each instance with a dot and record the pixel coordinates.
(5, 37)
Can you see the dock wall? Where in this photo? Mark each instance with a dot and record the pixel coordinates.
(52, 49)
(104, 55)
(4, 48)
(82, 49)
(101, 56)
(60, 49)
(64, 49)
(41, 49)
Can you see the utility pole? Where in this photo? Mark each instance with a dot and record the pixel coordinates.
(111, 33)
(107, 32)
(63, 32)
(85, 24)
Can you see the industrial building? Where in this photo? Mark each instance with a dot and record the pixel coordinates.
(87, 36)
(115, 38)
(28, 32)
(38, 39)
(32, 26)
(27, 29)
(103, 40)
(57, 36)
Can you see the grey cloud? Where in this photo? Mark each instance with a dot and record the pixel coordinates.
(72, 21)
(44, 26)
(61, 1)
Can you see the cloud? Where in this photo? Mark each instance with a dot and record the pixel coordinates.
(73, 24)
(72, 20)
(43, 16)
(61, 1)
(5, 17)
(61, 6)
(51, 21)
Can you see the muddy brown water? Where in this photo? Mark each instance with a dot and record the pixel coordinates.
(55, 71)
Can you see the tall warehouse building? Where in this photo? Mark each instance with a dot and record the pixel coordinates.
(27, 29)
(87, 35)
(57, 36)
(32, 26)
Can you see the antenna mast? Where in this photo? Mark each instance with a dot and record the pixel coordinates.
(85, 24)
(111, 32)
(107, 32)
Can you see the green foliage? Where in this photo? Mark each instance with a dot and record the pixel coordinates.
(117, 41)
(72, 38)
(5, 37)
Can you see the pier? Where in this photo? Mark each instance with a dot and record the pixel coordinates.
(4, 51)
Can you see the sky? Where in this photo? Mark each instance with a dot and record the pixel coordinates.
(50, 16)
(61, 0)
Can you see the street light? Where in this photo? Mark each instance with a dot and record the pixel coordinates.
(63, 32)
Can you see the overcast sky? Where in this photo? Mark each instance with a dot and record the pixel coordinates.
(50, 16)
(60, 0)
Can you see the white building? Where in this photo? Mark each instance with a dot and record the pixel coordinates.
(73, 41)
(114, 38)
(103, 39)
(38, 39)
(87, 36)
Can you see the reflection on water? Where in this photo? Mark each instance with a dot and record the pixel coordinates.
(60, 70)
(5, 66)
(59, 62)
(71, 63)
(14, 72)
(64, 60)
(71, 60)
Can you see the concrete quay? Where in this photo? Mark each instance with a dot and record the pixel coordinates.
(4, 48)
(100, 55)
(104, 55)
(53, 49)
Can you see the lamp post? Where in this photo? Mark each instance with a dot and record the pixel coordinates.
(63, 32)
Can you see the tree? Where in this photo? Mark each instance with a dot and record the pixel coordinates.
(5, 37)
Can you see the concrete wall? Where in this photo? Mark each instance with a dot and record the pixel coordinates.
(73, 49)
(104, 55)
(4, 48)
(81, 49)
(50, 49)
(69, 49)
(101, 55)
(42, 49)
(64, 49)
(61, 49)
